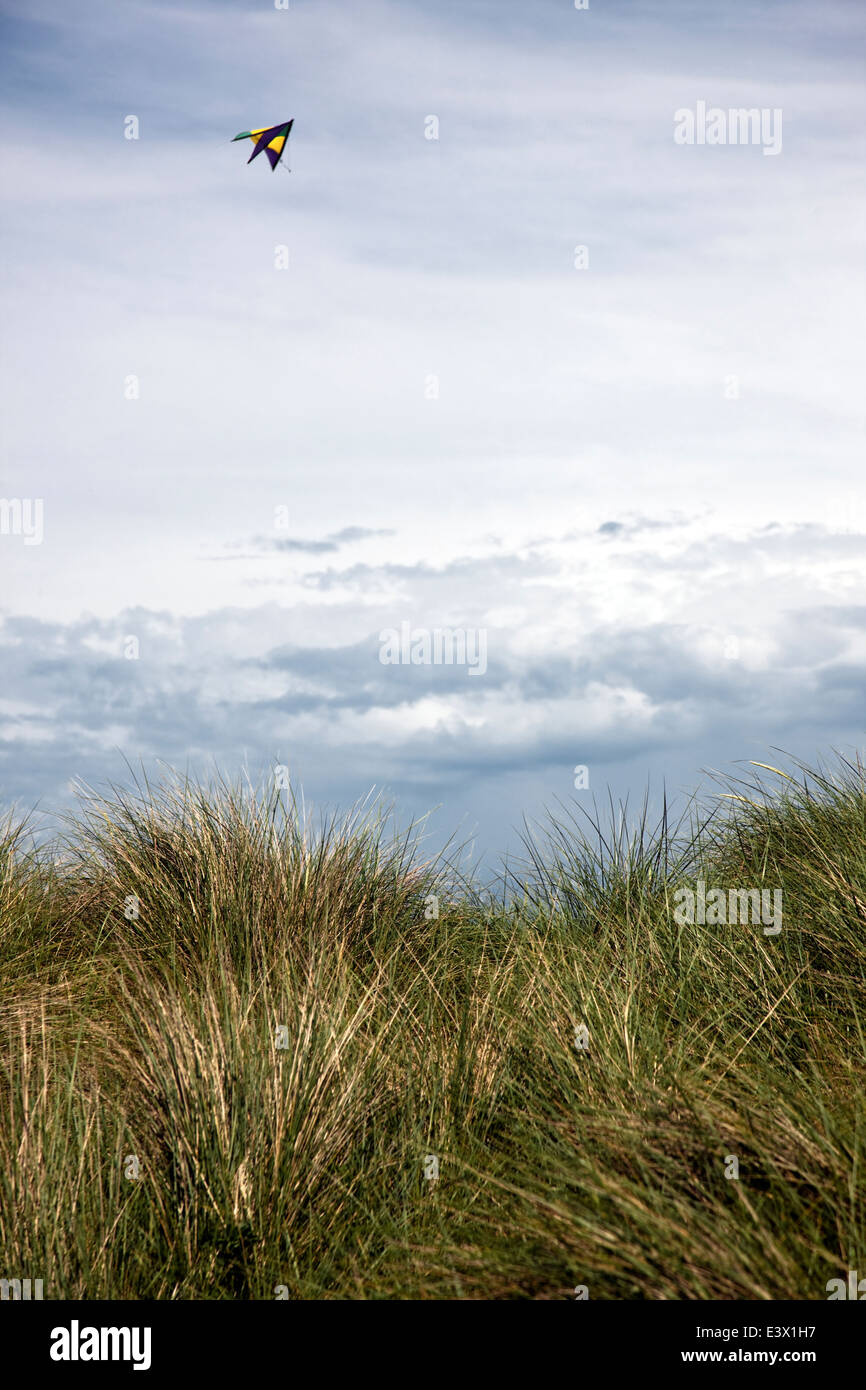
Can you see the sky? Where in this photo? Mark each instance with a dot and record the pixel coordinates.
(495, 354)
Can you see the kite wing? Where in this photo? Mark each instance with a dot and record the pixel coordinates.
(272, 140)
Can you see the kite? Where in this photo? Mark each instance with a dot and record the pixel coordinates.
(272, 141)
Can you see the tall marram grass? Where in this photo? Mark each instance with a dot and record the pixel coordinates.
(278, 1027)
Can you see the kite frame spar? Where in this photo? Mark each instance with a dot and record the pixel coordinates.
(272, 139)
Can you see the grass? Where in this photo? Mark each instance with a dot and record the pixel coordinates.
(273, 1027)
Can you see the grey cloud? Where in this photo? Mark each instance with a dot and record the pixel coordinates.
(328, 545)
(227, 685)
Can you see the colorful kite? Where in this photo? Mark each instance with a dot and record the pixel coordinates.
(272, 141)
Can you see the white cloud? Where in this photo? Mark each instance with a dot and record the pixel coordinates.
(567, 398)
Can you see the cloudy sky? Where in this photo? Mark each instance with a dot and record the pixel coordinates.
(270, 415)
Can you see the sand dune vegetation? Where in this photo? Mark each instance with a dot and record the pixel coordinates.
(245, 1056)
